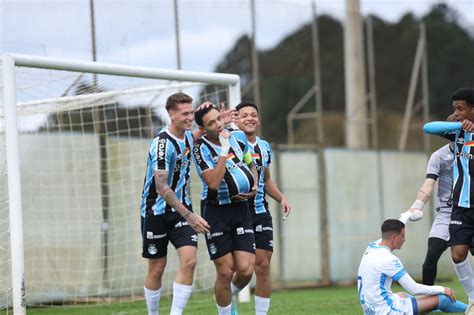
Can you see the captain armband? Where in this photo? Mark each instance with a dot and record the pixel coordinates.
(248, 158)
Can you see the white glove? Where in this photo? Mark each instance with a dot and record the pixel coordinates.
(416, 215)
(224, 136)
(405, 216)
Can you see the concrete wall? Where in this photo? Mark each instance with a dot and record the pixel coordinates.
(65, 237)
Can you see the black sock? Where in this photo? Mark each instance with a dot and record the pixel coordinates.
(436, 247)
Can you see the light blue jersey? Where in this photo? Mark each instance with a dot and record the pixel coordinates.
(238, 177)
(463, 190)
(173, 155)
(262, 155)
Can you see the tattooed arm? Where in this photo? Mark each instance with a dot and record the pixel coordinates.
(164, 190)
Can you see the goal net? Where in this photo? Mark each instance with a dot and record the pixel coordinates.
(83, 135)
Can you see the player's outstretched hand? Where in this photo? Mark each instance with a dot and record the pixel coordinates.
(416, 215)
(449, 292)
(229, 115)
(198, 223)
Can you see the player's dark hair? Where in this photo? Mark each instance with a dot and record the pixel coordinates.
(177, 98)
(199, 114)
(391, 226)
(464, 94)
(246, 104)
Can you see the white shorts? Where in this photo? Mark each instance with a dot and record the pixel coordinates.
(440, 227)
(399, 306)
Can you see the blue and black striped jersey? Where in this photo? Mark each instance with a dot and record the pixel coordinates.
(238, 177)
(463, 169)
(262, 155)
(172, 154)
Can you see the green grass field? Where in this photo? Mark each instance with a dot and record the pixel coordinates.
(333, 300)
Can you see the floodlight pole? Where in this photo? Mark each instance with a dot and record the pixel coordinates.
(14, 186)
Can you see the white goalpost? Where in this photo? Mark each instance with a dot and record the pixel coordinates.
(74, 138)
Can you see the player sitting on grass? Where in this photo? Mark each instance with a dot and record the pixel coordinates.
(379, 267)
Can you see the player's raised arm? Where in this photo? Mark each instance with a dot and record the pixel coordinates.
(195, 221)
(441, 127)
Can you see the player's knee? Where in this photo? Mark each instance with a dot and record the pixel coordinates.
(188, 263)
(156, 272)
(225, 273)
(458, 256)
(262, 268)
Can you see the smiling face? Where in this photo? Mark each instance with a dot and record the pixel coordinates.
(248, 120)
(462, 110)
(182, 116)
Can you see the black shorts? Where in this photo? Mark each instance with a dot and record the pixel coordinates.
(231, 229)
(461, 226)
(158, 230)
(263, 227)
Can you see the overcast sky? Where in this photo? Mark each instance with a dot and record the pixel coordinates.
(141, 32)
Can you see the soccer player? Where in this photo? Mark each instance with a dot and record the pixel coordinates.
(379, 267)
(227, 171)
(248, 121)
(440, 166)
(461, 231)
(166, 211)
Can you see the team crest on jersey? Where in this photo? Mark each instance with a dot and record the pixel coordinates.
(152, 249)
(212, 248)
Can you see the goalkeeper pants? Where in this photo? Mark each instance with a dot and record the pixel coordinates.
(436, 247)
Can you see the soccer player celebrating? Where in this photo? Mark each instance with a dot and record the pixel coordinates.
(166, 211)
(461, 231)
(248, 121)
(227, 171)
(379, 267)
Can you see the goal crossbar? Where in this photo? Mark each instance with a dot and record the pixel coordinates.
(10, 111)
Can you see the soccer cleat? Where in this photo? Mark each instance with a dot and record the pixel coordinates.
(233, 308)
(470, 308)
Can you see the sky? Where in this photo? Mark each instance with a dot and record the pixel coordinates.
(141, 32)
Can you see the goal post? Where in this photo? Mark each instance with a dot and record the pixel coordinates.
(65, 107)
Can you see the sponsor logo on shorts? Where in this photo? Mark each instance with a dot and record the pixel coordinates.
(260, 228)
(455, 222)
(240, 230)
(181, 224)
(194, 238)
(270, 243)
(212, 248)
(249, 231)
(152, 249)
(151, 236)
(253, 245)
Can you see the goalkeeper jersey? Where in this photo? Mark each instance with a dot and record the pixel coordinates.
(171, 154)
(262, 155)
(440, 166)
(237, 178)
